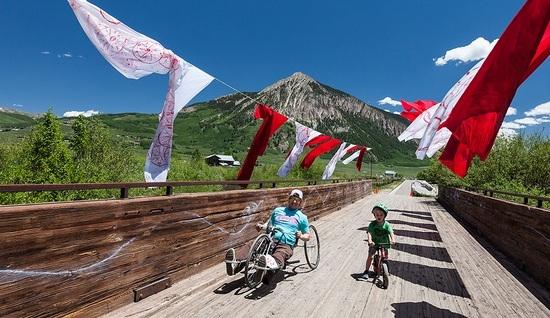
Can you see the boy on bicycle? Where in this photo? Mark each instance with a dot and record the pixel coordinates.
(379, 232)
(293, 225)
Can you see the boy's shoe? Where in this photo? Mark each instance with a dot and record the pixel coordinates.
(368, 274)
(230, 262)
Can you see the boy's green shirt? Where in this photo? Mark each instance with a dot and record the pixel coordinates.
(380, 233)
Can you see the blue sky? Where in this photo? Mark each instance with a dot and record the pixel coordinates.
(370, 49)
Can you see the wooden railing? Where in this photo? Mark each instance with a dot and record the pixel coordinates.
(526, 197)
(126, 186)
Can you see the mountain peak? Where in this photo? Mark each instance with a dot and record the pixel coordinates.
(300, 76)
(297, 79)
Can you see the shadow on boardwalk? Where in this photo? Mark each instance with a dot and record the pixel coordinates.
(431, 252)
(445, 280)
(422, 309)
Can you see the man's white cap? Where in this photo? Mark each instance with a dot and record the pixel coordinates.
(297, 193)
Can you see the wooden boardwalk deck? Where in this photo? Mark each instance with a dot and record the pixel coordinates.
(438, 270)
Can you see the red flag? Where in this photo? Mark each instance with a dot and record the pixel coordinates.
(272, 121)
(413, 109)
(321, 145)
(359, 161)
(478, 115)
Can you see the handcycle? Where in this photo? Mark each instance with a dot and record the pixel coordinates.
(264, 244)
(380, 264)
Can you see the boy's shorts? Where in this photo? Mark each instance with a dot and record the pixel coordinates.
(372, 250)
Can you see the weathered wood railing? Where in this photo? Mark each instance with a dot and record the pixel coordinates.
(526, 197)
(85, 258)
(126, 186)
(519, 231)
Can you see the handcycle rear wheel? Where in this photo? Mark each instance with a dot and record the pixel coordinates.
(260, 247)
(312, 248)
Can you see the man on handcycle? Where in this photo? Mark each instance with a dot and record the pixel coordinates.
(287, 219)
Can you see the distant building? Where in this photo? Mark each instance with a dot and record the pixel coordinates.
(222, 160)
(390, 174)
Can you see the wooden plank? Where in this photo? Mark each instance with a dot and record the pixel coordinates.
(96, 252)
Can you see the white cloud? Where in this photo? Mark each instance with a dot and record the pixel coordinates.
(510, 125)
(507, 132)
(478, 49)
(542, 109)
(529, 121)
(389, 101)
(17, 105)
(67, 55)
(45, 52)
(511, 111)
(75, 113)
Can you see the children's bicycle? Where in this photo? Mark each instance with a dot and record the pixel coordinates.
(380, 264)
(264, 244)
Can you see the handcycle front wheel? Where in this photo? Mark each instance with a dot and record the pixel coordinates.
(252, 276)
(312, 248)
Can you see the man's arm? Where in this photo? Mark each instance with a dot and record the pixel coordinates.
(304, 226)
(303, 236)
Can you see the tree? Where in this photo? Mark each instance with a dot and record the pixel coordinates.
(97, 155)
(49, 159)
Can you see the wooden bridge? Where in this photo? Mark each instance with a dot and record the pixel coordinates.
(438, 270)
(84, 259)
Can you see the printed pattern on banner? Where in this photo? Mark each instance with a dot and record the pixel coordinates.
(329, 169)
(135, 55)
(442, 113)
(303, 135)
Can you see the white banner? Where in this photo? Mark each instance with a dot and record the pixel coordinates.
(442, 113)
(351, 157)
(329, 169)
(303, 135)
(136, 55)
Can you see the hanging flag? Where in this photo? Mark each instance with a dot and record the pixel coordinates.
(303, 135)
(411, 110)
(442, 112)
(478, 115)
(321, 145)
(329, 169)
(417, 127)
(357, 152)
(272, 120)
(351, 157)
(136, 55)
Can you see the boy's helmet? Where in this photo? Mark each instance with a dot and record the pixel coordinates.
(382, 207)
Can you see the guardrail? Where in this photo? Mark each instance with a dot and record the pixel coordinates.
(526, 197)
(125, 187)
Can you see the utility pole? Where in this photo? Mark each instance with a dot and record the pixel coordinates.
(370, 166)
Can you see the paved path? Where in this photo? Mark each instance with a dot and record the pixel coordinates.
(438, 270)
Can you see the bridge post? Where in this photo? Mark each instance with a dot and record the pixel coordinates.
(169, 190)
(274, 185)
(525, 200)
(539, 203)
(124, 193)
